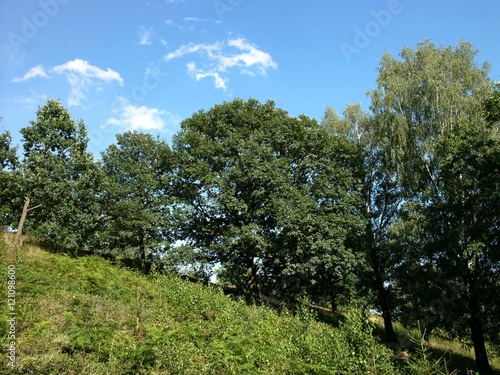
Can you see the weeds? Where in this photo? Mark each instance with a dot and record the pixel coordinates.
(425, 364)
(86, 316)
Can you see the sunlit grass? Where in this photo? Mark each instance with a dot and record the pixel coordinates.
(84, 315)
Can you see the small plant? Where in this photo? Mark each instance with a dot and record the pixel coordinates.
(425, 364)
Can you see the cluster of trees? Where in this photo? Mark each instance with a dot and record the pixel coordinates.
(397, 207)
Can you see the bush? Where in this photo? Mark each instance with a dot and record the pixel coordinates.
(85, 315)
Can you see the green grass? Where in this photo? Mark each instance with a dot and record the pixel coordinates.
(87, 316)
(459, 355)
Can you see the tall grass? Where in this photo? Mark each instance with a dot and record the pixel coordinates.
(87, 316)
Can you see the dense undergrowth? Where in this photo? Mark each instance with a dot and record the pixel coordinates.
(87, 316)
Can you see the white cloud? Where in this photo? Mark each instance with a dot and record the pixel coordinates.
(186, 23)
(220, 83)
(36, 71)
(145, 34)
(84, 69)
(212, 50)
(251, 57)
(82, 76)
(194, 19)
(220, 58)
(132, 117)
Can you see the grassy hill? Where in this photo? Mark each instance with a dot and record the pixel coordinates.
(87, 316)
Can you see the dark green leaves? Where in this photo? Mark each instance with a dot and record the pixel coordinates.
(435, 114)
(269, 195)
(59, 177)
(136, 212)
(10, 180)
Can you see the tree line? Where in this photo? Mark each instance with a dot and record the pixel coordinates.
(396, 208)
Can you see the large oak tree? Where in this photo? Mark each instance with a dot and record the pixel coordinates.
(271, 197)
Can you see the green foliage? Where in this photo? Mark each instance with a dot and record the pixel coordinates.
(396, 208)
(434, 109)
(3, 244)
(425, 363)
(10, 181)
(241, 165)
(60, 178)
(491, 106)
(135, 217)
(76, 321)
(92, 338)
(8, 157)
(420, 99)
(381, 197)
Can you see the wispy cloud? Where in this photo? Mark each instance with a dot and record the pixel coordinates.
(186, 23)
(145, 34)
(194, 19)
(198, 74)
(218, 59)
(30, 102)
(250, 57)
(26, 100)
(131, 117)
(82, 76)
(212, 50)
(84, 69)
(36, 71)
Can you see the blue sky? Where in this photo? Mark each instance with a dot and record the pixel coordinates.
(148, 64)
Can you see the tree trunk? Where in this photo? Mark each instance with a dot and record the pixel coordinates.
(142, 251)
(21, 221)
(386, 312)
(477, 332)
(382, 296)
(333, 303)
(252, 293)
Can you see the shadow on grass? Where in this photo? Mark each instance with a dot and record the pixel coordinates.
(455, 360)
(460, 362)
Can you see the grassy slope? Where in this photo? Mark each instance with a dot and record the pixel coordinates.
(87, 316)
